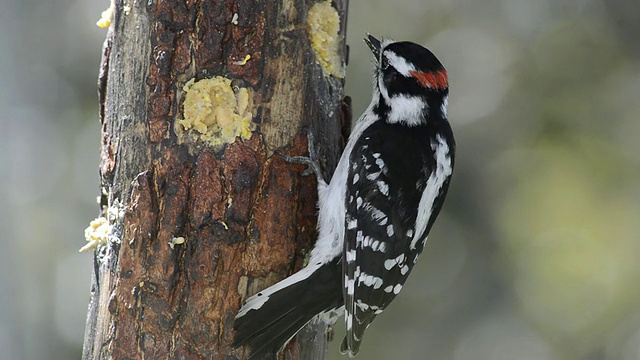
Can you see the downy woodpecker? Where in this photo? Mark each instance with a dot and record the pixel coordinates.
(374, 215)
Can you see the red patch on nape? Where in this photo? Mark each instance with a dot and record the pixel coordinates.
(437, 80)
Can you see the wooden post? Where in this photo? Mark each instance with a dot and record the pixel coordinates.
(195, 228)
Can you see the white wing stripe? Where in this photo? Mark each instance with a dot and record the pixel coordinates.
(434, 184)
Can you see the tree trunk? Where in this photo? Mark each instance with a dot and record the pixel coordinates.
(196, 225)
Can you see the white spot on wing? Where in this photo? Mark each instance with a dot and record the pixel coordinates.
(373, 176)
(366, 242)
(351, 255)
(390, 231)
(356, 273)
(389, 264)
(370, 280)
(375, 212)
(361, 305)
(383, 187)
(404, 269)
(375, 245)
(397, 288)
(356, 177)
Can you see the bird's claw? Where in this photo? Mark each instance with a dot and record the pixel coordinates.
(313, 165)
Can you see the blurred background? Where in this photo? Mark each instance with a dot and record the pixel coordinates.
(536, 254)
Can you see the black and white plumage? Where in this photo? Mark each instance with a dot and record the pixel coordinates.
(374, 215)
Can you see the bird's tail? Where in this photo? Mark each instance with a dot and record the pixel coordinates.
(270, 318)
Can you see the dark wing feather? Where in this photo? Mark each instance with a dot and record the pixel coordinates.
(385, 183)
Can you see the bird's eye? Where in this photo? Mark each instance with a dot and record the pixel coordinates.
(384, 64)
(390, 74)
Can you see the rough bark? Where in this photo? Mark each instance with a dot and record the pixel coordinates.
(248, 218)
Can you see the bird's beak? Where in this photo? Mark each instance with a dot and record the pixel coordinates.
(373, 44)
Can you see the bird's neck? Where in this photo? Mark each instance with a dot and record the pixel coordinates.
(409, 110)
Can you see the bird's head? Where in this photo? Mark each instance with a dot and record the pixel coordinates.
(409, 77)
